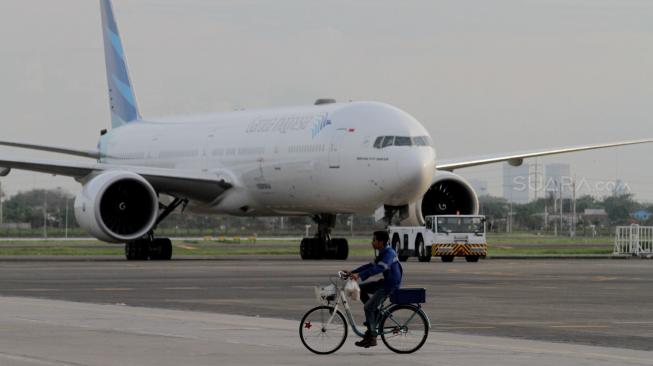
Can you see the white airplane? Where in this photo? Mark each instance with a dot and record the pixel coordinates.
(319, 160)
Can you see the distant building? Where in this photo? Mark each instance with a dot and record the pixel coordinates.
(594, 216)
(517, 185)
(558, 176)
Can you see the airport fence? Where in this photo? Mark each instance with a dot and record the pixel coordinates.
(634, 240)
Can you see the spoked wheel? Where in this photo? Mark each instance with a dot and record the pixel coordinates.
(405, 329)
(320, 337)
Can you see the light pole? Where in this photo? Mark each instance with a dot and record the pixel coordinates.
(45, 213)
(66, 229)
(351, 225)
(65, 194)
(1, 204)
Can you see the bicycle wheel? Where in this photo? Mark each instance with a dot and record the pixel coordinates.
(404, 328)
(319, 337)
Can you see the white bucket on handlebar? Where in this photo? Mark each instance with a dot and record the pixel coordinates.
(325, 293)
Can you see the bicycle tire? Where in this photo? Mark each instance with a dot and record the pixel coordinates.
(306, 325)
(398, 326)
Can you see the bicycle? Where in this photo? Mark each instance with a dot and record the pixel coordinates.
(403, 325)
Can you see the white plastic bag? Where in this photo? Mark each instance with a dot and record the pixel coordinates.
(352, 290)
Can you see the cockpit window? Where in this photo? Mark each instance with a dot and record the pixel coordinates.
(388, 141)
(419, 141)
(385, 141)
(423, 141)
(403, 141)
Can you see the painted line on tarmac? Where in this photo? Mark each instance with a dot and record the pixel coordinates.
(471, 327)
(580, 326)
(113, 289)
(36, 361)
(604, 278)
(37, 289)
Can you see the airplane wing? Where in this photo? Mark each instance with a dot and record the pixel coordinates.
(56, 149)
(517, 158)
(189, 184)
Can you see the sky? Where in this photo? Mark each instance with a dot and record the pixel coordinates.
(483, 77)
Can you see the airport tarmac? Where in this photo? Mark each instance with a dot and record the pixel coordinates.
(56, 333)
(499, 311)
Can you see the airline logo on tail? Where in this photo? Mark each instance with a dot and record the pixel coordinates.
(122, 100)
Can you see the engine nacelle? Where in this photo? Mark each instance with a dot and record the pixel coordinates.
(449, 194)
(117, 206)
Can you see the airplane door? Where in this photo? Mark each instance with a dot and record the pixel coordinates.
(211, 153)
(335, 147)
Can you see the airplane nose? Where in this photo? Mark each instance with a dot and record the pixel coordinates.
(415, 171)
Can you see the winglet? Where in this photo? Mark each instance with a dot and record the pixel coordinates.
(122, 99)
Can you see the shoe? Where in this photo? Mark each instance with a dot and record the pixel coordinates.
(368, 341)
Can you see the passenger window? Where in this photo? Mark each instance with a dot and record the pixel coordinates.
(403, 141)
(388, 141)
(377, 142)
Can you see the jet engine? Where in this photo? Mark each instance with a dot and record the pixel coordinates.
(117, 206)
(449, 194)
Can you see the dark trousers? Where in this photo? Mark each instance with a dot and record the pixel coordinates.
(372, 295)
(369, 288)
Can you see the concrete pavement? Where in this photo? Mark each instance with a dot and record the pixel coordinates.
(39, 332)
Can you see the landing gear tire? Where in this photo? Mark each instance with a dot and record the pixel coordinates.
(137, 250)
(315, 249)
(447, 258)
(423, 252)
(322, 246)
(472, 258)
(304, 250)
(396, 243)
(161, 249)
(339, 249)
(311, 248)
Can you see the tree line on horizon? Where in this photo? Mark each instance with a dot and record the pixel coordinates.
(34, 206)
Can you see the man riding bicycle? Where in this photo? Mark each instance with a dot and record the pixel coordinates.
(387, 263)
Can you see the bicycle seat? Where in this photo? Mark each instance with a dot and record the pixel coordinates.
(408, 296)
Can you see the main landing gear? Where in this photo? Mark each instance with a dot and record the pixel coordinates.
(322, 246)
(150, 247)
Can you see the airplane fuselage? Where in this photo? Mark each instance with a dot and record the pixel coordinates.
(290, 161)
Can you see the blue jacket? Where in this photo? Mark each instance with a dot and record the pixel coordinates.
(386, 263)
